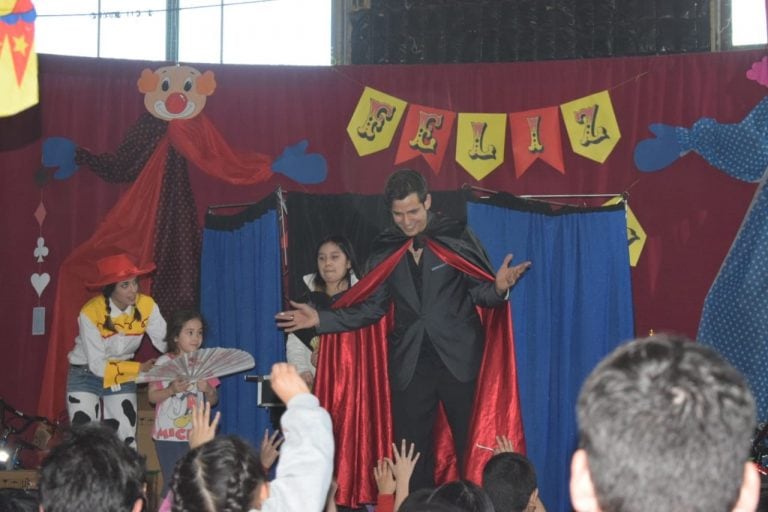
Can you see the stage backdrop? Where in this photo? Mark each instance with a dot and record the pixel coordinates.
(690, 211)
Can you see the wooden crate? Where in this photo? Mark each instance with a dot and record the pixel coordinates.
(146, 447)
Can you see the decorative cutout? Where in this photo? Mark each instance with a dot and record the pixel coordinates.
(636, 236)
(759, 72)
(374, 121)
(426, 133)
(41, 251)
(592, 126)
(40, 282)
(38, 321)
(18, 67)
(536, 135)
(40, 213)
(480, 142)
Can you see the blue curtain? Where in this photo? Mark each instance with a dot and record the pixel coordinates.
(240, 294)
(572, 307)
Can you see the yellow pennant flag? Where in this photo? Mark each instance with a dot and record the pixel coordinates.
(480, 142)
(636, 236)
(120, 372)
(375, 121)
(18, 61)
(591, 125)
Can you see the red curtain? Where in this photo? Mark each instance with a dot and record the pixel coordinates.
(691, 211)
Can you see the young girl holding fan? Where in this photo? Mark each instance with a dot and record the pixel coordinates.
(174, 399)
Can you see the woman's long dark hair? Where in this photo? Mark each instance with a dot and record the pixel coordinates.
(107, 293)
(319, 283)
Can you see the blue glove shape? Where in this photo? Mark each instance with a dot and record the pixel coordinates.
(299, 166)
(656, 154)
(60, 152)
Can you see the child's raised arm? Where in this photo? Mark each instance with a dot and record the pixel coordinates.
(286, 381)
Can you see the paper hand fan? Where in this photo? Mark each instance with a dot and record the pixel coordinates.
(203, 364)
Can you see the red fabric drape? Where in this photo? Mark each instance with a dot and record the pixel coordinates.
(497, 401)
(128, 227)
(131, 227)
(353, 385)
(200, 142)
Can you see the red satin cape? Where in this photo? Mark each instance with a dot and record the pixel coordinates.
(352, 384)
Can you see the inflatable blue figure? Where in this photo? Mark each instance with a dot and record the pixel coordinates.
(735, 316)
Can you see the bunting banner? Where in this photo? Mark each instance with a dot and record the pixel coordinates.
(18, 61)
(375, 121)
(480, 140)
(426, 133)
(536, 134)
(591, 125)
(636, 236)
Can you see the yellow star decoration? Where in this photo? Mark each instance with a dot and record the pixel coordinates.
(20, 44)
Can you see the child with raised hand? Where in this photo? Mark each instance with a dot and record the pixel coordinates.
(175, 399)
(393, 477)
(225, 470)
(305, 467)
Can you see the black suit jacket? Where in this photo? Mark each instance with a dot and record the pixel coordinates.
(445, 312)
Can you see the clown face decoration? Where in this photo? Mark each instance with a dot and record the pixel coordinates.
(175, 92)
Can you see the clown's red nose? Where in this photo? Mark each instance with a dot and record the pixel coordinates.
(175, 103)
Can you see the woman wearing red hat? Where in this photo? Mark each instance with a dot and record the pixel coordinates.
(112, 326)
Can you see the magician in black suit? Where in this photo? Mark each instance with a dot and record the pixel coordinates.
(436, 344)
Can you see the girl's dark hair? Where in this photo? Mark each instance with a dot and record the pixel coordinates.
(176, 324)
(222, 475)
(416, 499)
(468, 496)
(346, 247)
(107, 293)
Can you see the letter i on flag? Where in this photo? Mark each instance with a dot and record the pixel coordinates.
(536, 134)
(18, 61)
(374, 121)
(426, 132)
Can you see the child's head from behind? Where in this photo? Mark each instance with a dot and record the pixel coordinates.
(222, 474)
(185, 332)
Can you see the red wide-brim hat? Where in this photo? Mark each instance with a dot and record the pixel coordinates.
(117, 268)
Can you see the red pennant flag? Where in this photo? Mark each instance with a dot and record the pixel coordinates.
(19, 40)
(536, 134)
(426, 133)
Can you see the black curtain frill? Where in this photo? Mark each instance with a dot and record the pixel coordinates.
(512, 202)
(237, 220)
